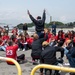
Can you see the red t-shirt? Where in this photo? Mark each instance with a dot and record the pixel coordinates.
(5, 37)
(66, 39)
(29, 40)
(11, 52)
(15, 31)
(1, 43)
(60, 37)
(49, 37)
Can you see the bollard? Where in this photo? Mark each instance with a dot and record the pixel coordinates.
(15, 62)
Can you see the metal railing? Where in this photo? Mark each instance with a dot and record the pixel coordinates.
(15, 62)
(66, 69)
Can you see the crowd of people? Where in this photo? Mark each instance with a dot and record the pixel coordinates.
(44, 44)
(43, 48)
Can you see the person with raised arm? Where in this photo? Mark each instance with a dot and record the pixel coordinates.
(39, 22)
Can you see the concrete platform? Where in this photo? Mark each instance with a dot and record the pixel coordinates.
(26, 67)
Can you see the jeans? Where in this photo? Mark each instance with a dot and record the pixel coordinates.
(40, 34)
(3, 48)
(71, 60)
(65, 50)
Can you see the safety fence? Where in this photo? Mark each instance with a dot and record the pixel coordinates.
(15, 62)
(65, 69)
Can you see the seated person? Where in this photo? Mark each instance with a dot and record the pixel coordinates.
(29, 41)
(37, 46)
(11, 52)
(71, 57)
(20, 41)
(3, 44)
(48, 56)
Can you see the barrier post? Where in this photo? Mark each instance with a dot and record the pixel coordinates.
(15, 62)
(66, 69)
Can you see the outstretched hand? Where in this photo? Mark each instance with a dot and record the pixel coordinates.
(28, 12)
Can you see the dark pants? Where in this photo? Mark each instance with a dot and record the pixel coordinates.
(27, 46)
(49, 71)
(71, 60)
(54, 32)
(40, 34)
(35, 58)
(21, 46)
(21, 58)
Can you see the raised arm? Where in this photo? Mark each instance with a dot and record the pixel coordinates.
(31, 17)
(44, 15)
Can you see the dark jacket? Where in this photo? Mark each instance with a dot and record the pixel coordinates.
(39, 24)
(37, 46)
(25, 27)
(48, 55)
(54, 29)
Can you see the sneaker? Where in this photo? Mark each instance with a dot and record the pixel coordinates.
(60, 64)
(66, 64)
(18, 49)
(35, 63)
(23, 49)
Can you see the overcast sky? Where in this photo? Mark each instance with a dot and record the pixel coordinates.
(14, 12)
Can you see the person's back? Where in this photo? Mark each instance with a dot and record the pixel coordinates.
(25, 28)
(37, 46)
(39, 23)
(49, 55)
(11, 51)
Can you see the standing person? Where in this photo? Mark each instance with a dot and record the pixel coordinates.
(11, 52)
(7, 29)
(54, 28)
(25, 28)
(39, 23)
